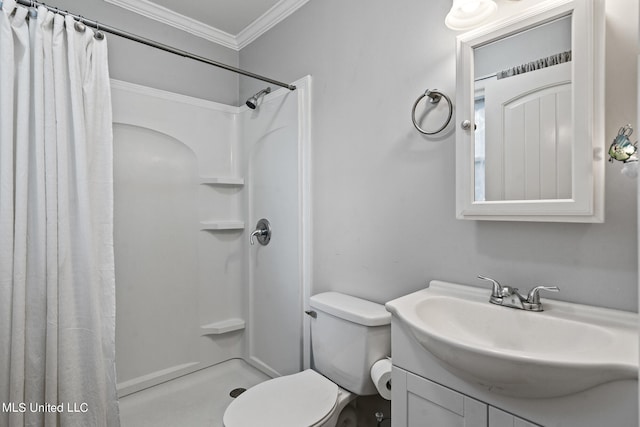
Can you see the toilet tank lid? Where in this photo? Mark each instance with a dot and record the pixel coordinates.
(350, 308)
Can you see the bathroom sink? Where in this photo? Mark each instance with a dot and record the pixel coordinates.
(565, 349)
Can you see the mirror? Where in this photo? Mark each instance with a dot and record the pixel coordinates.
(532, 85)
(522, 100)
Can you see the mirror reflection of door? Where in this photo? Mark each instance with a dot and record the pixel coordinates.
(529, 157)
(523, 137)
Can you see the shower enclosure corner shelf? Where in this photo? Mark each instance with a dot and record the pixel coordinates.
(233, 181)
(221, 225)
(222, 180)
(222, 327)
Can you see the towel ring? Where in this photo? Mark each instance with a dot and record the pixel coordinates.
(435, 97)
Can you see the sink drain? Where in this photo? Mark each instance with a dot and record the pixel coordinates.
(237, 392)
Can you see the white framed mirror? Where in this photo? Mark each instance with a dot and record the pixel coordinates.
(530, 116)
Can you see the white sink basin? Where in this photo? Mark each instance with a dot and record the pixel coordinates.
(565, 349)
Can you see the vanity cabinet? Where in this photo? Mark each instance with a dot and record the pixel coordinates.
(420, 402)
(425, 393)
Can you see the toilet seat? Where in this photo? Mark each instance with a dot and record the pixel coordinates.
(302, 399)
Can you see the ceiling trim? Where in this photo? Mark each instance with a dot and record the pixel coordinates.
(166, 16)
(270, 18)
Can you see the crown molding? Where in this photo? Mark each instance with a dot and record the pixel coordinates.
(270, 18)
(166, 16)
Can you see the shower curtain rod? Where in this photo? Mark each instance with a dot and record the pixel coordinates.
(151, 43)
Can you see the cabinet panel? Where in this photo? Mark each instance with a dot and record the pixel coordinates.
(498, 418)
(436, 394)
(425, 403)
(423, 412)
(519, 422)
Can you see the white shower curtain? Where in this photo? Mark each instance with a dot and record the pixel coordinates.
(57, 286)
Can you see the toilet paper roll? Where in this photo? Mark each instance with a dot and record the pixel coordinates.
(381, 376)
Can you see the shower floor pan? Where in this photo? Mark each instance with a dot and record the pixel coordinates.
(194, 400)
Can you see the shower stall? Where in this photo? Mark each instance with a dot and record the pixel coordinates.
(192, 179)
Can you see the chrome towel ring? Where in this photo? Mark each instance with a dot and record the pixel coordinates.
(434, 97)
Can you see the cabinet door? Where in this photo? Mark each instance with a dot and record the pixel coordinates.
(498, 418)
(418, 402)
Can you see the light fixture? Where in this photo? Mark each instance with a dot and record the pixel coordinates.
(466, 14)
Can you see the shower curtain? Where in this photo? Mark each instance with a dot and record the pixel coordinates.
(57, 286)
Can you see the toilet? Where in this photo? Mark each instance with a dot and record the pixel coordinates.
(348, 335)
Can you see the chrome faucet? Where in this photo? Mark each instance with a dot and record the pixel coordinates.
(511, 297)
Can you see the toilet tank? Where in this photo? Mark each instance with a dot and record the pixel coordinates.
(348, 335)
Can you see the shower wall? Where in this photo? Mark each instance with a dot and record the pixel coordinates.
(192, 177)
(178, 235)
(276, 162)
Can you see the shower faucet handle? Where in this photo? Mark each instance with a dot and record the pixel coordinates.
(255, 233)
(262, 232)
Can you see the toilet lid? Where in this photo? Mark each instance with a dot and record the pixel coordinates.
(296, 400)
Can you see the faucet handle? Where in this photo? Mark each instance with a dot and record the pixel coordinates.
(534, 294)
(533, 299)
(496, 290)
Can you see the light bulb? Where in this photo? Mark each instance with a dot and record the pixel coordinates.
(470, 6)
(466, 14)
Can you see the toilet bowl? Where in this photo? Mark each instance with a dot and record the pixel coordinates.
(303, 399)
(348, 335)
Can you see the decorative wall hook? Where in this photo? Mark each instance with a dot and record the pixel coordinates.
(622, 149)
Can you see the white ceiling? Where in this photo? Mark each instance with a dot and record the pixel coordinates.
(231, 23)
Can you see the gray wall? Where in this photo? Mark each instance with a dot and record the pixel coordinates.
(383, 195)
(137, 63)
